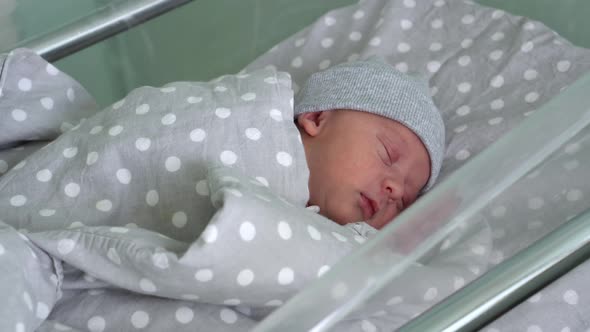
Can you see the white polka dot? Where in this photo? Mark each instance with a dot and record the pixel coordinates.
(433, 66)
(410, 3)
(497, 104)
(375, 41)
(247, 231)
(527, 47)
(529, 26)
(299, 42)
(496, 14)
(51, 70)
(152, 198)
(44, 175)
(147, 285)
(478, 249)
(434, 47)
(496, 55)
(104, 205)
(72, 189)
(160, 260)
(574, 195)
(531, 97)
(284, 230)
(168, 119)
(284, 159)
(533, 328)
(142, 109)
(179, 219)
(339, 290)
(18, 200)
(248, 96)
(118, 104)
(198, 135)
(467, 19)
(535, 298)
(439, 3)
(91, 158)
(19, 115)
(464, 60)
(28, 301)
(322, 270)
(96, 324)
(437, 23)
(358, 14)
(95, 130)
(403, 47)
(168, 89)
(571, 165)
(495, 121)
(222, 112)
(140, 319)
(253, 134)
(406, 24)
(47, 103)
(462, 154)
(124, 176)
(202, 188)
(184, 315)
(116, 130)
(329, 20)
(536, 203)
(355, 36)
(297, 62)
(572, 148)
(194, 100)
(19, 327)
(245, 277)
(497, 36)
(430, 294)
(367, 326)
(70, 152)
(263, 181)
(466, 43)
(563, 66)
(210, 233)
(327, 42)
(460, 129)
(402, 67)
(276, 115)
(530, 74)
(314, 233)
(47, 212)
(228, 157)
(228, 316)
(339, 237)
(220, 88)
(143, 144)
(286, 276)
(65, 246)
(204, 275)
(324, 64)
(25, 84)
(70, 94)
(497, 81)
(571, 297)
(464, 87)
(567, 329)
(173, 164)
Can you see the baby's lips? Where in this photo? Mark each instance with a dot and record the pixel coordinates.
(383, 216)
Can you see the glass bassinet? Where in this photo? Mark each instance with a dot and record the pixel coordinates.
(146, 55)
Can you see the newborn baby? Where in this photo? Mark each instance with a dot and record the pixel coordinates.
(373, 139)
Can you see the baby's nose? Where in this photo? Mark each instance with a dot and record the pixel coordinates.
(393, 189)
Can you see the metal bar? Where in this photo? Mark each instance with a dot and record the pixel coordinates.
(102, 24)
(511, 282)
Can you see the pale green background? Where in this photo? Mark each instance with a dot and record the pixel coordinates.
(208, 38)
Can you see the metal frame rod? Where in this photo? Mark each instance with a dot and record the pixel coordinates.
(510, 282)
(102, 24)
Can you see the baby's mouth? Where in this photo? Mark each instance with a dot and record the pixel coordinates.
(368, 207)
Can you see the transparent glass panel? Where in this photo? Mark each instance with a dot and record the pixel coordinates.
(519, 189)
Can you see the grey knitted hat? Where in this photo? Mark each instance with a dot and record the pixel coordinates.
(376, 87)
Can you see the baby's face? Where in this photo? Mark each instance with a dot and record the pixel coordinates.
(363, 167)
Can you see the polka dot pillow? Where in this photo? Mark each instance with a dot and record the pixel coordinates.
(487, 69)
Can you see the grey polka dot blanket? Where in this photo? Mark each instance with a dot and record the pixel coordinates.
(182, 207)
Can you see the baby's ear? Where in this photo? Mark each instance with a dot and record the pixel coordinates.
(313, 122)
